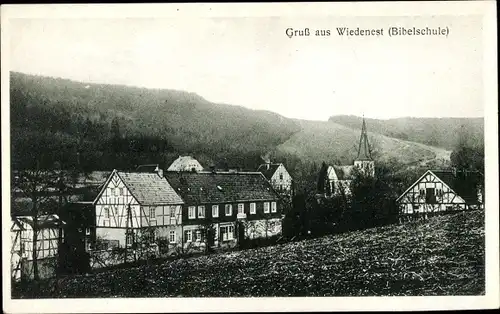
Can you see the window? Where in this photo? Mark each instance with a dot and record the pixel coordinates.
(273, 207)
(430, 196)
(172, 215)
(106, 213)
(112, 191)
(227, 233)
(241, 208)
(266, 207)
(201, 211)
(152, 213)
(215, 211)
(121, 191)
(252, 208)
(189, 236)
(171, 236)
(87, 231)
(281, 176)
(229, 209)
(198, 236)
(191, 212)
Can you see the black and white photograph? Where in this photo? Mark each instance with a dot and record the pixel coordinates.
(236, 157)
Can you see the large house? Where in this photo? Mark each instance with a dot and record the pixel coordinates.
(185, 163)
(173, 211)
(219, 199)
(278, 176)
(48, 228)
(336, 179)
(443, 190)
(132, 206)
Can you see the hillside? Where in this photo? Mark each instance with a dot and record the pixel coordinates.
(442, 256)
(103, 127)
(439, 132)
(332, 142)
(55, 112)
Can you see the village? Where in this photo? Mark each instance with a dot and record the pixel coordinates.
(123, 217)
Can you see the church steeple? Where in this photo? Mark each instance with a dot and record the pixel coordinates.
(364, 147)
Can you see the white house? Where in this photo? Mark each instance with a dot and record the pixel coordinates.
(277, 175)
(21, 232)
(132, 205)
(438, 191)
(337, 179)
(185, 163)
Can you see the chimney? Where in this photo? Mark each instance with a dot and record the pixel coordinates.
(159, 171)
(267, 160)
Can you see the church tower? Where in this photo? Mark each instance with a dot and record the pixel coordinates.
(364, 160)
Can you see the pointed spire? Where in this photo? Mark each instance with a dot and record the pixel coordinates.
(364, 146)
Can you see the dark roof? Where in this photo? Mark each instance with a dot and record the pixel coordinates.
(268, 170)
(364, 147)
(43, 222)
(147, 168)
(464, 184)
(149, 188)
(221, 187)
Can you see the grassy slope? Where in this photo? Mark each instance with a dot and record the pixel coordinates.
(440, 132)
(328, 141)
(443, 256)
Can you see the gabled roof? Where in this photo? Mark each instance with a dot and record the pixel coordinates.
(462, 185)
(221, 187)
(458, 184)
(182, 164)
(147, 168)
(43, 222)
(344, 172)
(146, 188)
(268, 170)
(149, 188)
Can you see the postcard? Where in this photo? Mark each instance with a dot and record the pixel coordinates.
(235, 157)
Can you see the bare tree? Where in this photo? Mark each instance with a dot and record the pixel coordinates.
(39, 187)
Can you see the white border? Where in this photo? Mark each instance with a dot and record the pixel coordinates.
(483, 8)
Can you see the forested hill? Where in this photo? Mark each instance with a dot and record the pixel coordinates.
(110, 126)
(440, 132)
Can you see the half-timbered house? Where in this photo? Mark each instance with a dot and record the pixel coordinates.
(335, 180)
(135, 205)
(279, 177)
(48, 228)
(216, 201)
(440, 191)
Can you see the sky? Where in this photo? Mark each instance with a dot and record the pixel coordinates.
(252, 63)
